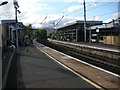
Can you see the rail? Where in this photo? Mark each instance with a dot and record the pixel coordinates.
(102, 62)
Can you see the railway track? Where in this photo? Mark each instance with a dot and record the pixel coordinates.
(94, 60)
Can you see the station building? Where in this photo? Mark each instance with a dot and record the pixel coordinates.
(96, 31)
(75, 31)
(8, 32)
(108, 33)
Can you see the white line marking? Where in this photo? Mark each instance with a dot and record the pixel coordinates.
(74, 72)
(85, 63)
(87, 46)
(7, 70)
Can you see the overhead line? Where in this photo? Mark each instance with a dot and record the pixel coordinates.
(64, 7)
(57, 12)
(81, 9)
(75, 12)
(98, 6)
(105, 14)
(101, 5)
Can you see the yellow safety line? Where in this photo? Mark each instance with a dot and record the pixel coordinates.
(87, 80)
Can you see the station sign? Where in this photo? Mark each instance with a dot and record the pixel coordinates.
(94, 35)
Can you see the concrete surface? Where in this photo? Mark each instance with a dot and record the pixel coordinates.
(0, 68)
(33, 69)
(104, 79)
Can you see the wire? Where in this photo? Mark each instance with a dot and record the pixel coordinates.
(65, 7)
(104, 14)
(81, 9)
(75, 12)
(100, 6)
(57, 12)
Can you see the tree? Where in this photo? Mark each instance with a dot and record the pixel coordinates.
(41, 33)
(50, 35)
(29, 30)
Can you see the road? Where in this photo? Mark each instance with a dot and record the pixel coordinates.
(33, 69)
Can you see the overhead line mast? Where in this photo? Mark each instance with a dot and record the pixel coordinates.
(84, 21)
(60, 20)
(44, 20)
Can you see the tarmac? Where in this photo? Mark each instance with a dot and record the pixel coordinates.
(33, 69)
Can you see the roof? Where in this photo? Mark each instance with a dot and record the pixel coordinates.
(82, 22)
(7, 21)
(109, 25)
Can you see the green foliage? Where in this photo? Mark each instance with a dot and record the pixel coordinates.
(50, 34)
(41, 33)
(53, 34)
(29, 30)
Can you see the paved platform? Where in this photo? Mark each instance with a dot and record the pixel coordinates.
(101, 77)
(0, 67)
(6, 59)
(33, 69)
(98, 46)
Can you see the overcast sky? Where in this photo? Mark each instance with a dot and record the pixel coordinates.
(49, 11)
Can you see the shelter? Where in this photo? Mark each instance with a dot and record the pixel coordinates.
(75, 31)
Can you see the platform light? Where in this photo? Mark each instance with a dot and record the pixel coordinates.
(3, 3)
(16, 6)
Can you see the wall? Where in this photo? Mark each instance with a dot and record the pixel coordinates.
(4, 38)
(112, 40)
(0, 35)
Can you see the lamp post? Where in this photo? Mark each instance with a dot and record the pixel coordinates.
(90, 33)
(3, 3)
(97, 30)
(16, 6)
(84, 21)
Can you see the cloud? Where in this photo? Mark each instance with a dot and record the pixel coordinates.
(33, 12)
(30, 10)
(7, 11)
(108, 20)
(115, 15)
(80, 0)
(73, 8)
(93, 18)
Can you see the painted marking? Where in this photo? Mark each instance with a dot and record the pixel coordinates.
(7, 70)
(111, 50)
(82, 77)
(85, 63)
(65, 57)
(45, 47)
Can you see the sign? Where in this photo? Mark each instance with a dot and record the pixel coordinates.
(93, 35)
(17, 34)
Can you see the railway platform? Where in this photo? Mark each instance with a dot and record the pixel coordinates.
(97, 75)
(33, 69)
(39, 66)
(97, 46)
